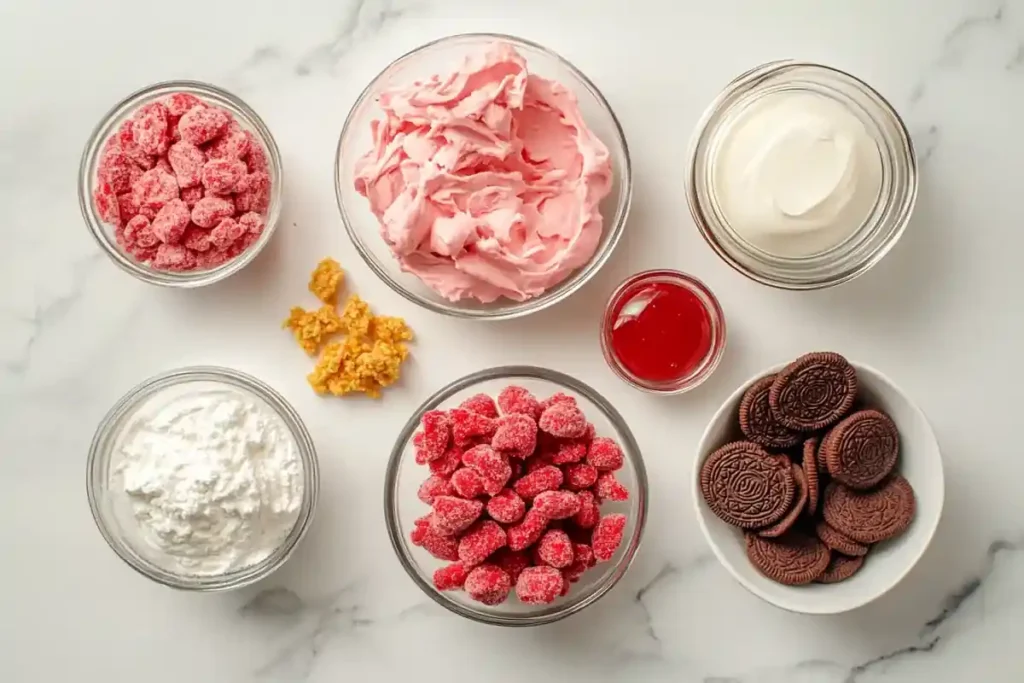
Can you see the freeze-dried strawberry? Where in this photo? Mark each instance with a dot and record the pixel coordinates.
(547, 478)
(126, 143)
(226, 233)
(253, 193)
(209, 211)
(605, 454)
(440, 546)
(202, 124)
(187, 162)
(450, 577)
(480, 541)
(256, 156)
(467, 425)
(106, 203)
(569, 451)
(432, 487)
(492, 467)
(117, 169)
(557, 504)
(171, 221)
(539, 585)
(222, 176)
(252, 222)
(174, 257)
(467, 483)
(447, 463)
(512, 562)
(231, 144)
(192, 195)
(488, 584)
(180, 102)
(516, 435)
(555, 549)
(452, 515)
(579, 476)
(563, 420)
(607, 536)
(482, 404)
(506, 507)
(560, 397)
(589, 513)
(609, 488)
(523, 535)
(418, 450)
(149, 128)
(515, 399)
(127, 209)
(196, 239)
(154, 188)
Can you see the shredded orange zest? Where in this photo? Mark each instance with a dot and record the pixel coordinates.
(312, 327)
(325, 280)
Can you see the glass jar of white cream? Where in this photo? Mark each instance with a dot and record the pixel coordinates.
(801, 176)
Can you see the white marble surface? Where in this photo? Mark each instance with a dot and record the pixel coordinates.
(941, 314)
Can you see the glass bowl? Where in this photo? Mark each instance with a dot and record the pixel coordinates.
(877, 234)
(716, 322)
(437, 57)
(247, 119)
(111, 509)
(404, 476)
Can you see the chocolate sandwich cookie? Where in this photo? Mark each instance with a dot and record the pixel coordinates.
(795, 508)
(840, 568)
(870, 516)
(757, 422)
(862, 449)
(809, 464)
(747, 487)
(813, 392)
(793, 559)
(838, 542)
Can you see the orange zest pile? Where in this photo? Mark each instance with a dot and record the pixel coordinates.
(369, 357)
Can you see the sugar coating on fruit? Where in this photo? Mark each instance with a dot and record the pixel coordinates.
(569, 451)
(452, 515)
(432, 487)
(607, 536)
(521, 536)
(440, 546)
(506, 507)
(579, 476)
(481, 404)
(546, 478)
(446, 465)
(515, 399)
(493, 467)
(516, 435)
(563, 420)
(469, 426)
(608, 487)
(539, 585)
(450, 577)
(488, 584)
(557, 504)
(512, 562)
(605, 454)
(480, 541)
(555, 549)
(437, 433)
(467, 483)
(589, 512)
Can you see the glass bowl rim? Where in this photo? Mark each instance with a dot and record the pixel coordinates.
(630, 448)
(99, 453)
(580, 277)
(98, 229)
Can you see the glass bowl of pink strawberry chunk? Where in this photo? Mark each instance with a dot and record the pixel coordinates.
(516, 496)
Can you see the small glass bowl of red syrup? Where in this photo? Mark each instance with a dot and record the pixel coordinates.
(663, 331)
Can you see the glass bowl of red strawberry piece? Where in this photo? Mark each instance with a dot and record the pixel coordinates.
(180, 184)
(516, 496)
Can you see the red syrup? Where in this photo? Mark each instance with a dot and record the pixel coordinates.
(660, 331)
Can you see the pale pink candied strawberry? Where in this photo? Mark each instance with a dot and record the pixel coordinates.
(450, 577)
(589, 513)
(607, 536)
(482, 404)
(253, 193)
(226, 233)
(446, 464)
(211, 258)
(252, 222)
(609, 488)
(171, 221)
(255, 155)
(192, 195)
(539, 585)
(126, 143)
(437, 433)
(488, 584)
(516, 399)
(432, 487)
(222, 176)
(557, 504)
(492, 467)
(173, 257)
(118, 170)
(202, 124)
(506, 507)
(579, 476)
(467, 425)
(480, 541)
(154, 188)
(605, 454)
(466, 483)
(452, 515)
(440, 546)
(231, 144)
(555, 549)
(563, 420)
(150, 128)
(521, 536)
(127, 208)
(187, 162)
(209, 211)
(516, 435)
(132, 232)
(547, 478)
(196, 239)
(180, 102)
(105, 200)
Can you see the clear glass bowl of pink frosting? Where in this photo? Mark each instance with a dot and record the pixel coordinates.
(444, 56)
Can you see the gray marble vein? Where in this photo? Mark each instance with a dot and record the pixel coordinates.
(362, 20)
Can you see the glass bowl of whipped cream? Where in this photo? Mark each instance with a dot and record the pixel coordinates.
(203, 479)
(483, 176)
(801, 176)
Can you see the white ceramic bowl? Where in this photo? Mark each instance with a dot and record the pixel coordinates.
(887, 563)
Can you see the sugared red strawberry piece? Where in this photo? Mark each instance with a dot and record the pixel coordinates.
(557, 504)
(534, 463)
(547, 478)
(563, 420)
(516, 435)
(569, 451)
(106, 203)
(450, 577)
(580, 476)
(555, 549)
(447, 463)
(589, 513)
(488, 584)
(467, 426)
(187, 162)
(171, 221)
(452, 515)
(560, 397)
(127, 209)
(437, 433)
(432, 487)
(231, 144)
(253, 193)
(252, 222)
(467, 483)
(226, 233)
(514, 399)
(480, 541)
(149, 128)
(256, 156)
(173, 257)
(202, 124)
(604, 454)
(180, 102)
(492, 467)
(418, 450)
(192, 195)
(609, 488)
(117, 169)
(512, 562)
(583, 559)
(196, 239)
(221, 176)
(154, 188)
(506, 507)
(523, 535)
(539, 585)
(607, 536)
(481, 404)
(126, 143)
(441, 547)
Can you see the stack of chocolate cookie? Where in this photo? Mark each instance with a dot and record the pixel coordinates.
(814, 484)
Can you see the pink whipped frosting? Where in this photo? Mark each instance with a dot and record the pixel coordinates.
(486, 181)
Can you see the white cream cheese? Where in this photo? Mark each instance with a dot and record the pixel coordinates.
(796, 173)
